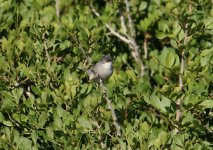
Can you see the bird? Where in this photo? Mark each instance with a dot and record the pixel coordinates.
(102, 70)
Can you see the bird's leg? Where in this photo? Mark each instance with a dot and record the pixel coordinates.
(103, 88)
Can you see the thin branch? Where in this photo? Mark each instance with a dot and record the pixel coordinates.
(97, 126)
(122, 19)
(182, 67)
(46, 47)
(146, 37)
(94, 11)
(112, 31)
(15, 122)
(101, 141)
(145, 47)
(130, 22)
(121, 37)
(114, 118)
(128, 39)
(133, 44)
(136, 55)
(57, 4)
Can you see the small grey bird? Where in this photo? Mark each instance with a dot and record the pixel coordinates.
(102, 70)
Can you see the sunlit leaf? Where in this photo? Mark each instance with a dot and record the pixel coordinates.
(207, 103)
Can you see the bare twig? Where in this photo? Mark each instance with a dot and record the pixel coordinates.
(57, 4)
(146, 37)
(114, 118)
(128, 39)
(46, 47)
(130, 22)
(121, 37)
(122, 19)
(15, 122)
(145, 47)
(97, 126)
(182, 67)
(101, 141)
(136, 55)
(112, 31)
(133, 44)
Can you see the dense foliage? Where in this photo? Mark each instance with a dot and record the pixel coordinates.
(47, 102)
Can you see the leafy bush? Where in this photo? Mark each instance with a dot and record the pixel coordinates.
(161, 87)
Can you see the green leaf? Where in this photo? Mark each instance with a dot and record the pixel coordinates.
(142, 6)
(208, 22)
(17, 93)
(181, 35)
(34, 137)
(36, 90)
(25, 143)
(50, 133)
(91, 100)
(207, 103)
(42, 119)
(83, 89)
(144, 129)
(126, 91)
(8, 123)
(163, 26)
(73, 90)
(155, 102)
(173, 43)
(59, 111)
(207, 52)
(89, 89)
(170, 59)
(85, 123)
(176, 28)
(20, 44)
(161, 35)
(58, 123)
(1, 117)
(187, 118)
(179, 139)
(161, 140)
(8, 101)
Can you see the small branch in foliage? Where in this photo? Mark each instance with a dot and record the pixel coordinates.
(15, 122)
(45, 47)
(130, 22)
(101, 141)
(121, 37)
(122, 19)
(114, 118)
(128, 39)
(133, 44)
(57, 4)
(146, 37)
(182, 67)
(112, 31)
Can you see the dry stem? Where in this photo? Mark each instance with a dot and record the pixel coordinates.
(57, 4)
(45, 47)
(114, 118)
(146, 37)
(128, 38)
(182, 67)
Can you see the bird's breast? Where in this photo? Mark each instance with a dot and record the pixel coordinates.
(106, 70)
